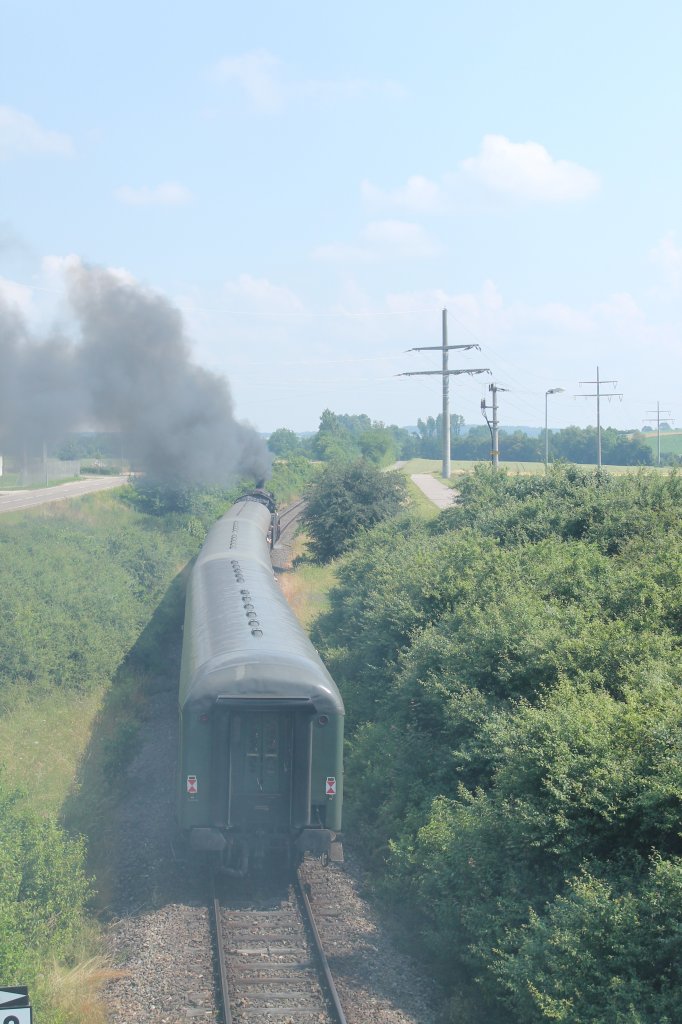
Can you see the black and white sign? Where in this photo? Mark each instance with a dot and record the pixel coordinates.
(18, 1015)
(14, 1008)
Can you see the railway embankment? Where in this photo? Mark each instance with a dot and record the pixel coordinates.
(511, 671)
(83, 583)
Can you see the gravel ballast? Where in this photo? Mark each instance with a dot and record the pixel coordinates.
(157, 932)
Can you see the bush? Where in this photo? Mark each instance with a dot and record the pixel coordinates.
(346, 499)
(512, 675)
(43, 890)
(290, 477)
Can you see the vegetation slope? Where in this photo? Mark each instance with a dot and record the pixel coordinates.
(85, 584)
(512, 673)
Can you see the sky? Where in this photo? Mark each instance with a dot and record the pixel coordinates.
(311, 184)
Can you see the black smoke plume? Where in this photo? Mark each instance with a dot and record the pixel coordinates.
(129, 370)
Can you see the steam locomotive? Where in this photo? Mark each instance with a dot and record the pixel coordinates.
(261, 719)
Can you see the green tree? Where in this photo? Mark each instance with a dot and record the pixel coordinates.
(378, 445)
(333, 440)
(346, 436)
(284, 442)
(430, 442)
(347, 498)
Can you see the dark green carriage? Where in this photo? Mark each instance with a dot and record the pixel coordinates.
(261, 720)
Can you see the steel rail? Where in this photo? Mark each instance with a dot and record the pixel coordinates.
(288, 513)
(319, 949)
(223, 988)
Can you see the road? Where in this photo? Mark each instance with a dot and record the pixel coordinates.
(16, 501)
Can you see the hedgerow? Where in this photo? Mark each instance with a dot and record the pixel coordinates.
(512, 678)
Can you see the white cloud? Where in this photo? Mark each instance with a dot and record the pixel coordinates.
(16, 295)
(55, 267)
(257, 294)
(620, 308)
(492, 319)
(382, 240)
(527, 171)
(264, 80)
(667, 255)
(257, 73)
(418, 195)
(20, 135)
(167, 194)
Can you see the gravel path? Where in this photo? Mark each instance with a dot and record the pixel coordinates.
(157, 930)
(439, 493)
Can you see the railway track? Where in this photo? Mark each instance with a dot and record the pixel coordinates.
(290, 516)
(270, 963)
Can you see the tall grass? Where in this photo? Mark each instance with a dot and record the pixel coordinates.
(84, 619)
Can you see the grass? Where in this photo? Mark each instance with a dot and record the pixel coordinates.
(61, 747)
(671, 442)
(458, 468)
(307, 587)
(12, 482)
(75, 992)
(43, 740)
(419, 503)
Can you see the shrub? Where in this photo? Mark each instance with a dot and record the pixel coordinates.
(346, 499)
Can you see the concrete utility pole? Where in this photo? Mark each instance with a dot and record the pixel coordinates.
(494, 427)
(446, 374)
(598, 396)
(551, 391)
(666, 415)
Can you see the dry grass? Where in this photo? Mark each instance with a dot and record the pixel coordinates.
(75, 993)
(307, 587)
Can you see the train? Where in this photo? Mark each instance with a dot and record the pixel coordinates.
(260, 766)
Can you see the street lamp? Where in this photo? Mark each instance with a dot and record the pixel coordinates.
(552, 391)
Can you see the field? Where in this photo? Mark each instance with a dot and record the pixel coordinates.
(671, 442)
(458, 468)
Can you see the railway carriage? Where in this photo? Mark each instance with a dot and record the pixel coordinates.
(261, 720)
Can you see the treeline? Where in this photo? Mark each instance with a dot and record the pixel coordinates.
(342, 437)
(571, 444)
(345, 437)
(511, 672)
(89, 445)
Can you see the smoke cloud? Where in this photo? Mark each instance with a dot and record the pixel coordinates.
(131, 371)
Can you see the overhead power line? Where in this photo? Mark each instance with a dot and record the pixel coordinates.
(446, 373)
(493, 427)
(660, 414)
(598, 395)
